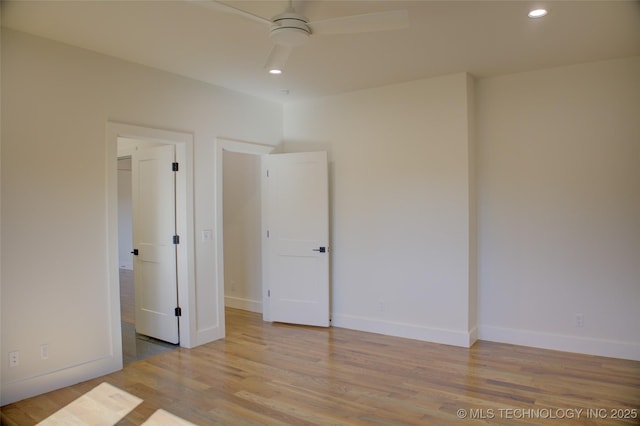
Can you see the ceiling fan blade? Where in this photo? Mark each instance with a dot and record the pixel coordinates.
(225, 8)
(369, 22)
(278, 57)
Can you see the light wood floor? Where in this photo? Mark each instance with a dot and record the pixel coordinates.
(268, 374)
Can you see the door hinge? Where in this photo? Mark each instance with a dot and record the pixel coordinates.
(176, 239)
(174, 167)
(268, 293)
(267, 233)
(267, 172)
(178, 311)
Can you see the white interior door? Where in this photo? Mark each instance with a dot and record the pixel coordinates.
(154, 227)
(297, 220)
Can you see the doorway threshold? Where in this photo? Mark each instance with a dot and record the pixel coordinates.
(136, 347)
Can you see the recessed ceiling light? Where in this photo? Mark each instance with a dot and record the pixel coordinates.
(537, 13)
(275, 71)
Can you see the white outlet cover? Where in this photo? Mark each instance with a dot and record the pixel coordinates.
(14, 359)
(207, 235)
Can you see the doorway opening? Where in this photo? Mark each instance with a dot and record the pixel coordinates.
(135, 345)
(293, 250)
(242, 231)
(239, 222)
(182, 149)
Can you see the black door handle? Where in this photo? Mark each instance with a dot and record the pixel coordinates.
(321, 249)
(134, 252)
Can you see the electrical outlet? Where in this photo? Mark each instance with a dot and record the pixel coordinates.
(381, 305)
(14, 359)
(44, 351)
(580, 320)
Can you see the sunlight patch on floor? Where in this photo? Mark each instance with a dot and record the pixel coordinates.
(103, 405)
(106, 405)
(164, 418)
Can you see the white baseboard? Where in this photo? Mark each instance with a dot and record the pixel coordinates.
(589, 346)
(17, 390)
(207, 335)
(410, 331)
(473, 336)
(244, 304)
(218, 331)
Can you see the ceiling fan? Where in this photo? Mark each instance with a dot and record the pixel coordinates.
(290, 29)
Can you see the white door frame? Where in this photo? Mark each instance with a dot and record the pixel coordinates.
(184, 219)
(222, 145)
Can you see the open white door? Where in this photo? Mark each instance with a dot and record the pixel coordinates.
(154, 228)
(297, 220)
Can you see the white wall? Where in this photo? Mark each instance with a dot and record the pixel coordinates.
(559, 207)
(557, 162)
(400, 205)
(56, 102)
(242, 231)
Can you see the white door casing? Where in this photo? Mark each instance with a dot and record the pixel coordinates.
(296, 257)
(154, 227)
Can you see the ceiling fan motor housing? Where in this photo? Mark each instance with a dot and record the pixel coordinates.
(290, 29)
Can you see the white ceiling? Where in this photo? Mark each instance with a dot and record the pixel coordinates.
(484, 38)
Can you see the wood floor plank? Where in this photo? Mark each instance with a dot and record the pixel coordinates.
(278, 374)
